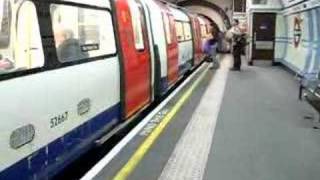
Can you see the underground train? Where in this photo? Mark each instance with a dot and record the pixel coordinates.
(72, 71)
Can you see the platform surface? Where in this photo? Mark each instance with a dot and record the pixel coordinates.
(246, 125)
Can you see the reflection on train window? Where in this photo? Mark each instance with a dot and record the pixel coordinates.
(179, 30)
(204, 33)
(187, 31)
(22, 48)
(208, 30)
(136, 18)
(167, 28)
(81, 33)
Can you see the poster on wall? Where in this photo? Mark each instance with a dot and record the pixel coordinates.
(297, 31)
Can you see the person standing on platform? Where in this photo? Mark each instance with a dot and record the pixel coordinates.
(238, 44)
(211, 50)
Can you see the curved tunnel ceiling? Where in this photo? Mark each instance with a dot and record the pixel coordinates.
(212, 15)
(211, 10)
(215, 9)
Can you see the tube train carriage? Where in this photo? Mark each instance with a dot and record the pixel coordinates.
(78, 69)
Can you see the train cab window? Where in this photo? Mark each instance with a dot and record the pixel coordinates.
(81, 33)
(179, 30)
(166, 22)
(136, 18)
(21, 46)
(187, 31)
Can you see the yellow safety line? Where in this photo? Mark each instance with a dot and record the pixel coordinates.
(146, 145)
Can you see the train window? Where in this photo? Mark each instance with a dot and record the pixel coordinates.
(204, 31)
(81, 33)
(179, 30)
(136, 18)
(23, 46)
(166, 22)
(187, 31)
(208, 29)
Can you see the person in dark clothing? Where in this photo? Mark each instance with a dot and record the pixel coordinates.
(211, 50)
(238, 49)
(238, 45)
(210, 43)
(68, 48)
(220, 37)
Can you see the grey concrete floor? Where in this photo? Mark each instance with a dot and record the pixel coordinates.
(261, 133)
(153, 162)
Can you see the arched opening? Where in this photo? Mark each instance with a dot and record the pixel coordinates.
(210, 10)
(212, 22)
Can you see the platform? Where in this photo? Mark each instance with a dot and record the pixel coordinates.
(222, 125)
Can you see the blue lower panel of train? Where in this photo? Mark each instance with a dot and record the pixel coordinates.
(52, 158)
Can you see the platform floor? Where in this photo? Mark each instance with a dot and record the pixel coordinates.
(253, 129)
(261, 132)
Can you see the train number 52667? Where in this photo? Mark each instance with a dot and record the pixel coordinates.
(59, 119)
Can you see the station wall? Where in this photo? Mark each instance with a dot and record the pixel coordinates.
(298, 37)
(287, 3)
(265, 5)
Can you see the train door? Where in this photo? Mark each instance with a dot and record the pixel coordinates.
(136, 55)
(263, 36)
(172, 48)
